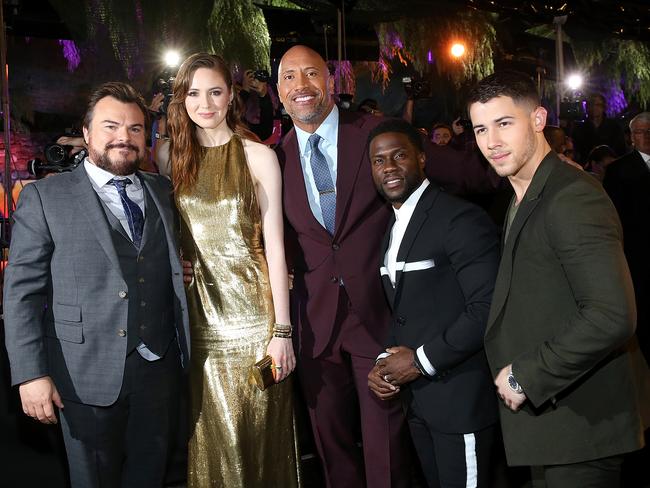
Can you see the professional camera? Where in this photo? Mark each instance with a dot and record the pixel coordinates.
(345, 101)
(262, 75)
(572, 109)
(58, 159)
(165, 85)
(416, 88)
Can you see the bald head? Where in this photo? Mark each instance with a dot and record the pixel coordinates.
(305, 87)
(299, 52)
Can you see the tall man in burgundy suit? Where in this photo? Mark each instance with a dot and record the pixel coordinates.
(338, 304)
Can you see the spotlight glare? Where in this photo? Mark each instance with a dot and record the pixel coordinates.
(172, 58)
(457, 50)
(574, 81)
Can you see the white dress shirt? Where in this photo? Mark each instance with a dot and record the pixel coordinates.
(99, 179)
(402, 218)
(328, 145)
(646, 158)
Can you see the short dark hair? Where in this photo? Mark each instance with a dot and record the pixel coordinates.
(122, 92)
(599, 153)
(401, 126)
(371, 103)
(442, 125)
(507, 83)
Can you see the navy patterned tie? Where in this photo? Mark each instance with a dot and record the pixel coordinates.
(133, 213)
(324, 183)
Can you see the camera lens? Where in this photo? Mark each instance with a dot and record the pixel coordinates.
(55, 153)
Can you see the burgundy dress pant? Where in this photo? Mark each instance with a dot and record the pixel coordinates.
(343, 410)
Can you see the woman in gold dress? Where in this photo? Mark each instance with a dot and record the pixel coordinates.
(228, 193)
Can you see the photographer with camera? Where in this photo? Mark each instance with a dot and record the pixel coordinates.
(413, 90)
(260, 102)
(64, 154)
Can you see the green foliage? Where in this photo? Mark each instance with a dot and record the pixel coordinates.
(621, 59)
(238, 32)
(624, 60)
(280, 4)
(411, 39)
(136, 31)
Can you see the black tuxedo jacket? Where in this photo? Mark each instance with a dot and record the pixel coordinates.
(447, 264)
(627, 182)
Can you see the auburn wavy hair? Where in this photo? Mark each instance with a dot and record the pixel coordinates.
(185, 152)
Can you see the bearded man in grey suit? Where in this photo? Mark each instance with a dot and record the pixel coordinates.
(95, 311)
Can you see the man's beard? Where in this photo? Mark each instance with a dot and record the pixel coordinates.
(411, 183)
(119, 167)
(313, 116)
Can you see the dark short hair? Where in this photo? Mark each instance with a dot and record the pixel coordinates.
(442, 125)
(120, 91)
(401, 126)
(598, 96)
(599, 153)
(507, 83)
(371, 103)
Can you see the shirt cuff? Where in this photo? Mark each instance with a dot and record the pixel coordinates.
(424, 361)
(382, 356)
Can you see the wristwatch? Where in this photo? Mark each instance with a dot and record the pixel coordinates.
(512, 383)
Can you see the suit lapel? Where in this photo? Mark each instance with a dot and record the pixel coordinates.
(90, 208)
(385, 279)
(530, 201)
(420, 215)
(350, 157)
(294, 187)
(165, 211)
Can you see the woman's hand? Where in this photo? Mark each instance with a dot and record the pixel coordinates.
(281, 350)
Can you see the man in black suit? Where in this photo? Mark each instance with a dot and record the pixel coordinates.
(627, 182)
(440, 257)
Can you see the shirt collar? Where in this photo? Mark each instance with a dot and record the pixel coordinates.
(407, 208)
(328, 130)
(101, 177)
(645, 157)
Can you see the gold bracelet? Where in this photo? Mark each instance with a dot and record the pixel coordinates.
(282, 327)
(281, 336)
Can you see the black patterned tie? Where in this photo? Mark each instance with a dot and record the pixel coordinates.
(324, 183)
(133, 213)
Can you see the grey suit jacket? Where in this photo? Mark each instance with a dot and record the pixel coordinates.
(64, 288)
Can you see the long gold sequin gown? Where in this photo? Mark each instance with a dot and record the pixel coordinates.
(240, 436)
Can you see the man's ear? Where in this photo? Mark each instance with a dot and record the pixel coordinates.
(539, 118)
(332, 84)
(85, 131)
(422, 158)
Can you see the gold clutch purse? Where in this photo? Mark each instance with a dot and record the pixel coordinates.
(263, 374)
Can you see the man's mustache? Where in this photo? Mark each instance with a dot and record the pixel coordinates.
(122, 145)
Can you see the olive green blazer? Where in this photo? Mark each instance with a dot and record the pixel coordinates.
(562, 313)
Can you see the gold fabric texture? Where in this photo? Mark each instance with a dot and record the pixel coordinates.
(239, 436)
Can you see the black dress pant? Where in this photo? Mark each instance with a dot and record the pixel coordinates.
(599, 473)
(126, 444)
(456, 460)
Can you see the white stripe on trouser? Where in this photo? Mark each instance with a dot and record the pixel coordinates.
(470, 461)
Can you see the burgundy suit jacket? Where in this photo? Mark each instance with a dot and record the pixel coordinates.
(319, 261)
